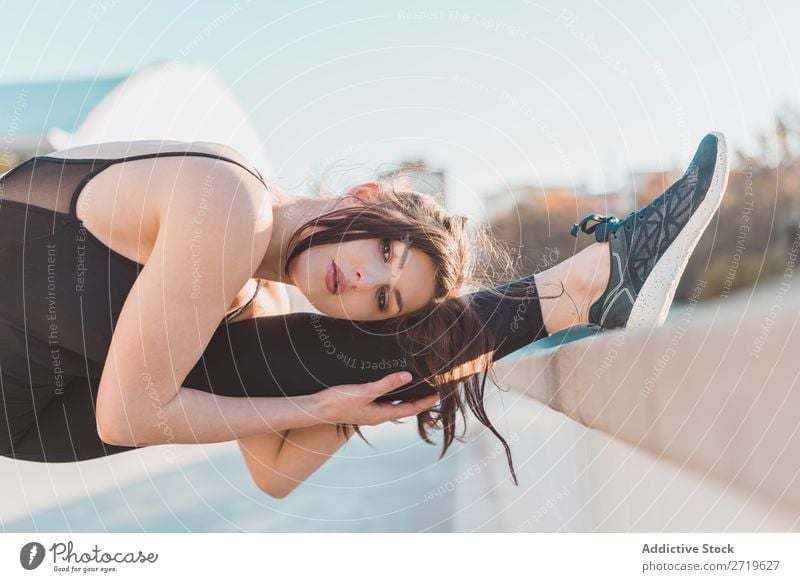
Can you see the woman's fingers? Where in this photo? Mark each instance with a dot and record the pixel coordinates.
(404, 409)
(386, 384)
(355, 403)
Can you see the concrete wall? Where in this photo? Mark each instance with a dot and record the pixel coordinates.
(689, 427)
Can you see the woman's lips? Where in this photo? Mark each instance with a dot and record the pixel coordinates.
(341, 282)
(330, 278)
(334, 279)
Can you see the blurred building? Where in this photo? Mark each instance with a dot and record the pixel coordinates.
(520, 198)
(505, 201)
(30, 110)
(418, 176)
(164, 101)
(638, 190)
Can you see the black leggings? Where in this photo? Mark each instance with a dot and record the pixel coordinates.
(302, 353)
(287, 355)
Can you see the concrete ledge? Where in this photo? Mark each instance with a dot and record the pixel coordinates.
(715, 390)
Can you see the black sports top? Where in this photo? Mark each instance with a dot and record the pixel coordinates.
(62, 290)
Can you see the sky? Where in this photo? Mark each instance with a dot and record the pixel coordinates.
(547, 93)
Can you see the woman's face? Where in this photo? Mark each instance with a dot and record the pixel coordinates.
(365, 279)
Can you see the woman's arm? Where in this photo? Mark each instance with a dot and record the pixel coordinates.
(200, 260)
(279, 462)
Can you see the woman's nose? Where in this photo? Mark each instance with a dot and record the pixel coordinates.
(362, 279)
(367, 277)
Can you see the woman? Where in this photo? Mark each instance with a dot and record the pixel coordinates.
(135, 311)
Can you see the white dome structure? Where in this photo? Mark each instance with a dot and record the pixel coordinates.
(168, 101)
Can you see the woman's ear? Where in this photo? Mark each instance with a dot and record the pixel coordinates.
(369, 193)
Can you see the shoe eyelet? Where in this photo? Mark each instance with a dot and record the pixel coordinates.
(628, 227)
(668, 193)
(656, 202)
(641, 217)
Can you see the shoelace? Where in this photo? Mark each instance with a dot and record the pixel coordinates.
(605, 225)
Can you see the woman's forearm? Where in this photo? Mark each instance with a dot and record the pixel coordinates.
(281, 462)
(305, 450)
(197, 417)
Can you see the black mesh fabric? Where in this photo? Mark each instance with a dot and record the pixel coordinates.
(52, 187)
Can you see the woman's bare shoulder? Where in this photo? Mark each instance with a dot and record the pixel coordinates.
(122, 149)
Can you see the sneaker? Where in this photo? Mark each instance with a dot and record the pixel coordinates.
(650, 247)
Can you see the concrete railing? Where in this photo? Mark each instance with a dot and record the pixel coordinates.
(694, 426)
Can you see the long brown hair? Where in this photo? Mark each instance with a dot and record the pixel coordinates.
(447, 344)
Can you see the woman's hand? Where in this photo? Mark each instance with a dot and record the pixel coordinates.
(354, 403)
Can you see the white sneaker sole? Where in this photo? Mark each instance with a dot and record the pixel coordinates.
(655, 297)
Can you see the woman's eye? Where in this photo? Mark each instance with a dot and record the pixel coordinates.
(382, 298)
(386, 249)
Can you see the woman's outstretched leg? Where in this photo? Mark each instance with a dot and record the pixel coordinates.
(628, 278)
